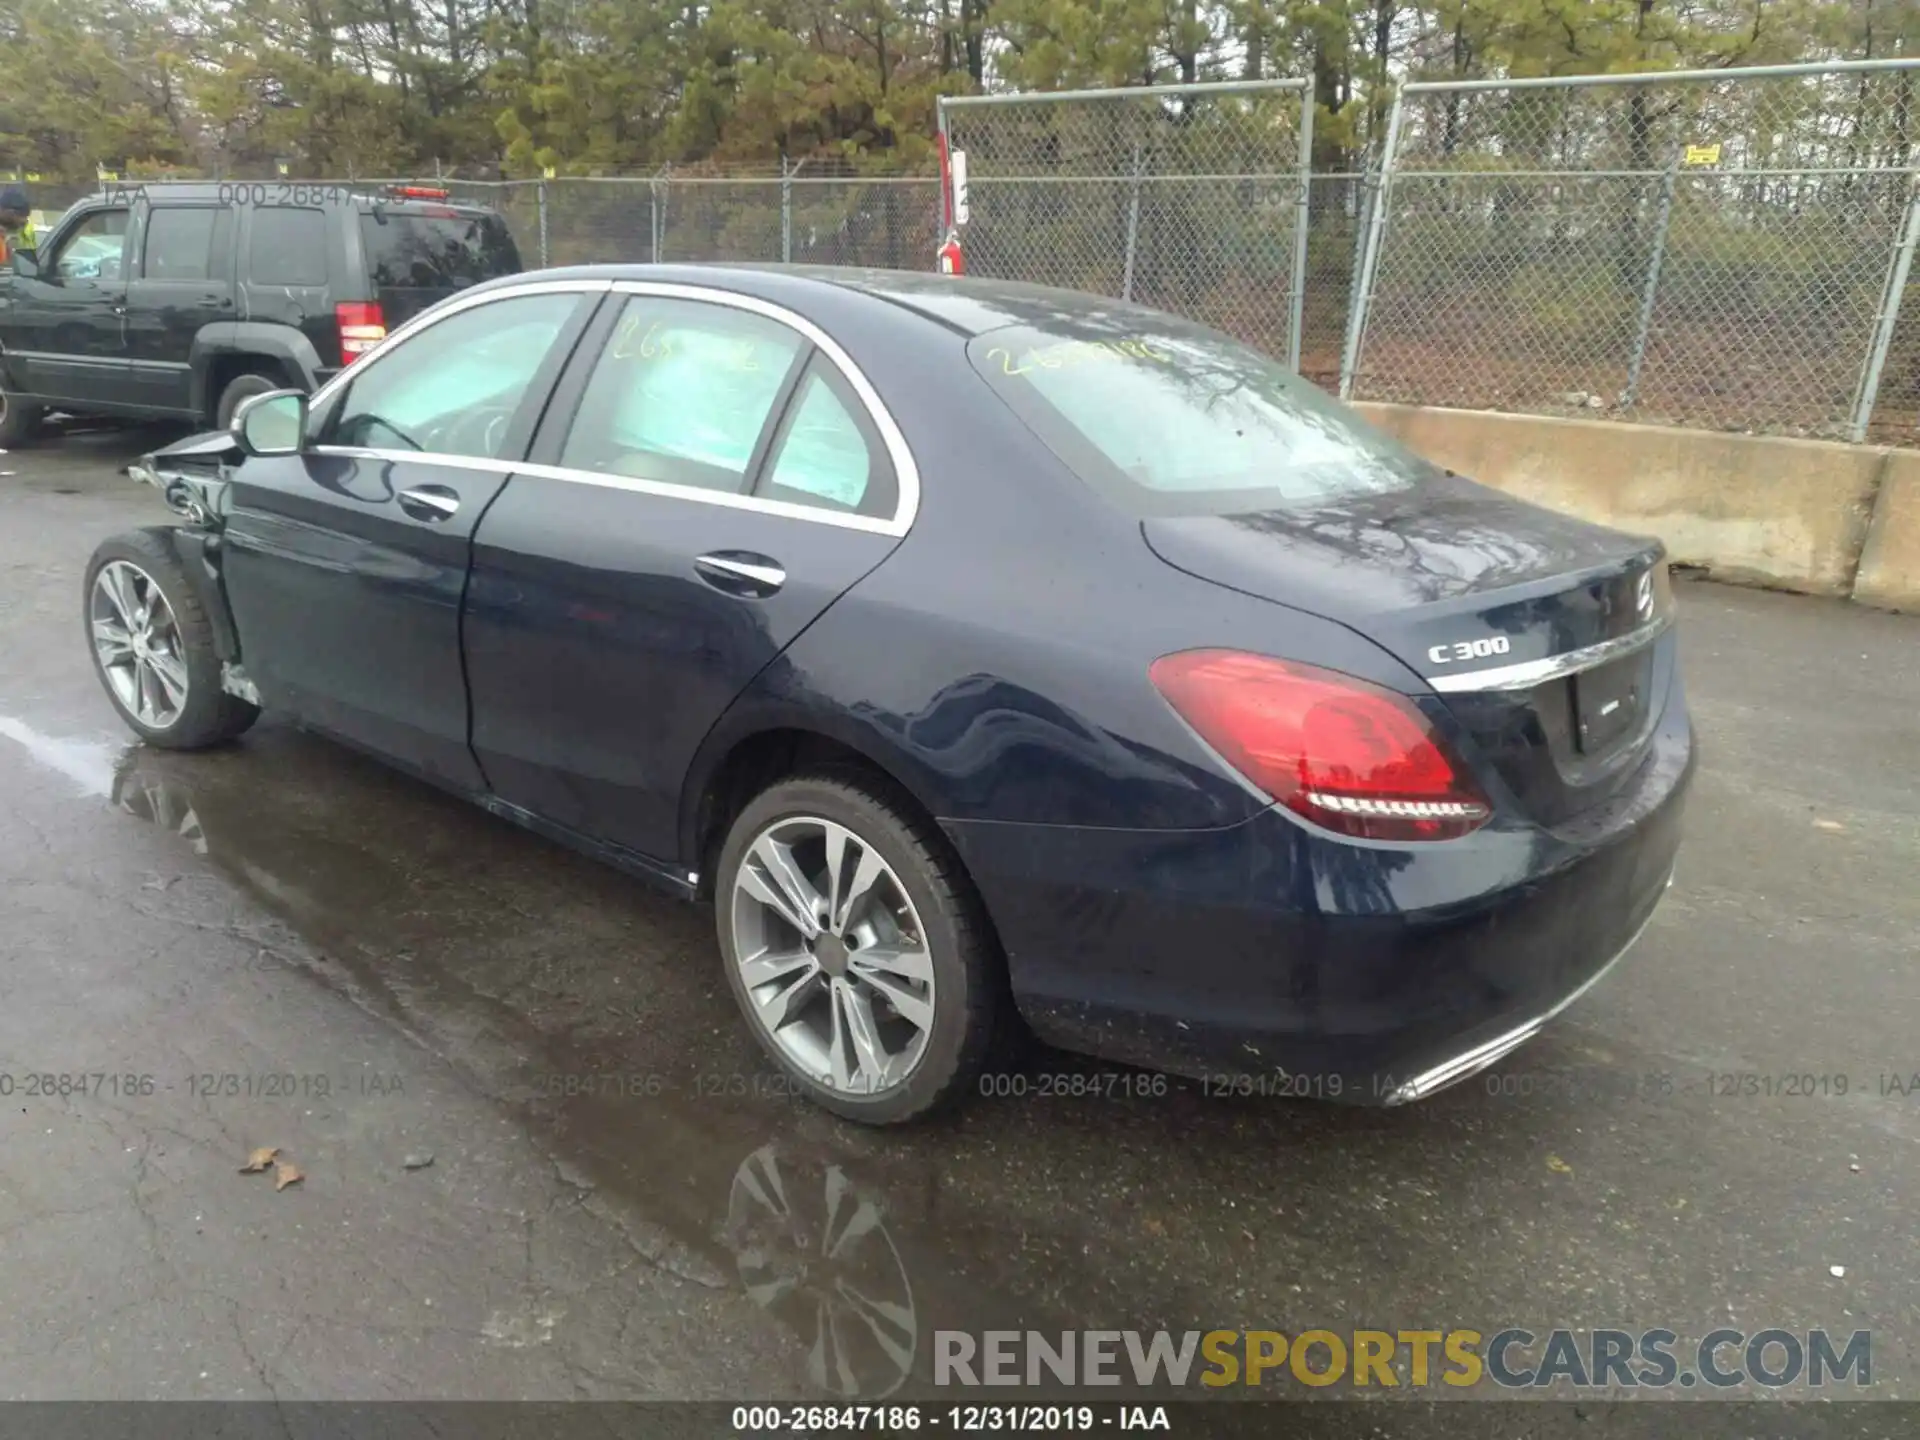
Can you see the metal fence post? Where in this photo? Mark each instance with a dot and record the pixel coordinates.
(653, 223)
(1643, 329)
(1133, 227)
(1378, 202)
(786, 213)
(540, 199)
(1889, 316)
(943, 210)
(1302, 223)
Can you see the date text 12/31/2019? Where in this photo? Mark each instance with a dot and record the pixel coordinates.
(959, 1419)
(252, 1085)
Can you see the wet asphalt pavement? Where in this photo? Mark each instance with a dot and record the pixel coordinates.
(282, 944)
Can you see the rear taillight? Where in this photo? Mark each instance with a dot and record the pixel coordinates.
(362, 326)
(1354, 757)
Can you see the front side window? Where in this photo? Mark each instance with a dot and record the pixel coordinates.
(93, 250)
(681, 394)
(453, 388)
(1171, 418)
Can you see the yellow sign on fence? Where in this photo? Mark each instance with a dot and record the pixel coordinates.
(1704, 154)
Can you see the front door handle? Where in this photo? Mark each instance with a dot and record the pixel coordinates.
(741, 572)
(430, 502)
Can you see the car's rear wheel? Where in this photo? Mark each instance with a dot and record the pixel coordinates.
(241, 389)
(19, 420)
(153, 647)
(856, 949)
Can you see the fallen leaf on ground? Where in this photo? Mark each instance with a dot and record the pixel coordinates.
(285, 1175)
(1828, 825)
(1558, 1166)
(259, 1159)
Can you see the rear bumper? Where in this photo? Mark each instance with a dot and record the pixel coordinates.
(1274, 960)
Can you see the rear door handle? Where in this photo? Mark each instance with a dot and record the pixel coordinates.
(741, 572)
(430, 502)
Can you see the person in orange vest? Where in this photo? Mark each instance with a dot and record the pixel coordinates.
(16, 223)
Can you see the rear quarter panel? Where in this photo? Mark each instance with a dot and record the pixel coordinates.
(996, 662)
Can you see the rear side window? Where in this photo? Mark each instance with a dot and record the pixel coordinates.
(828, 454)
(410, 251)
(179, 243)
(288, 246)
(681, 394)
(1173, 419)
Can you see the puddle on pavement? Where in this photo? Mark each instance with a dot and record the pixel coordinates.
(597, 1012)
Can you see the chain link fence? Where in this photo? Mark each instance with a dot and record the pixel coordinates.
(1721, 249)
(1191, 198)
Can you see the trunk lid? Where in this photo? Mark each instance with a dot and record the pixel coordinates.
(1492, 600)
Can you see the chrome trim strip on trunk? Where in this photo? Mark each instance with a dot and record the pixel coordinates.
(1530, 673)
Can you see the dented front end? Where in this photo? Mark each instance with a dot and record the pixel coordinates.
(191, 476)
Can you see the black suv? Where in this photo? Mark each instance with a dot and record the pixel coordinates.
(183, 300)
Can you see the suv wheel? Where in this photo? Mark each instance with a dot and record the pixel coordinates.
(856, 949)
(240, 389)
(19, 419)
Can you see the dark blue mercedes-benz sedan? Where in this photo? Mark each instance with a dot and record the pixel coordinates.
(979, 652)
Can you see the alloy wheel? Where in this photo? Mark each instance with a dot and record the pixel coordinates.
(832, 956)
(137, 642)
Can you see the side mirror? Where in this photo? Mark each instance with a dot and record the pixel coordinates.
(272, 424)
(26, 264)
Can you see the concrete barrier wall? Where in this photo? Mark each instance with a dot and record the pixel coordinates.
(1797, 514)
(1890, 562)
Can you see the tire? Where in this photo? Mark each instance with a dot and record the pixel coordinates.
(19, 420)
(242, 388)
(142, 688)
(967, 1001)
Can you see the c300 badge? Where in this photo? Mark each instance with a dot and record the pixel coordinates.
(1470, 650)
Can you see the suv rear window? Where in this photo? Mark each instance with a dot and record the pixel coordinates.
(1173, 419)
(447, 251)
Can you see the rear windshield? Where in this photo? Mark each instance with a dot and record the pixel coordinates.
(446, 251)
(1174, 419)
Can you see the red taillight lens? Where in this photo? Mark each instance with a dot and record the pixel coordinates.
(362, 326)
(1351, 756)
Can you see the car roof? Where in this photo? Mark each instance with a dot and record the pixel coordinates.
(962, 304)
(304, 195)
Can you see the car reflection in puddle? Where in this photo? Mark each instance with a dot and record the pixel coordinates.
(809, 1244)
(159, 803)
(814, 1252)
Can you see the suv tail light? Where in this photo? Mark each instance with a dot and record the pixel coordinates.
(1353, 757)
(362, 326)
